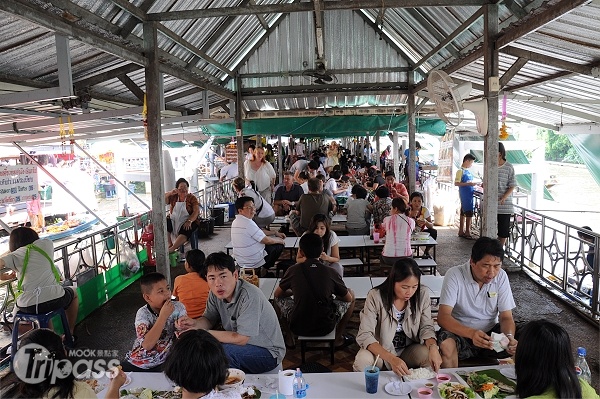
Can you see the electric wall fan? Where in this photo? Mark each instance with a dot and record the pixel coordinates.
(448, 98)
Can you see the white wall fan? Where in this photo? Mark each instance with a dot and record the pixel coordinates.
(448, 98)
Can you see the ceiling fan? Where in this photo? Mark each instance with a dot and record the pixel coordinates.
(448, 98)
(320, 74)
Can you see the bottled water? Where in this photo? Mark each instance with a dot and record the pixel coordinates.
(300, 385)
(581, 367)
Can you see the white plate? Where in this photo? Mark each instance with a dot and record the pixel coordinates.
(509, 372)
(127, 381)
(405, 389)
(455, 383)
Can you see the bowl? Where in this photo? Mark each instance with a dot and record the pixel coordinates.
(235, 378)
(442, 378)
(421, 236)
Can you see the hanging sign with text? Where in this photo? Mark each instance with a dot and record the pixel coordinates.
(18, 183)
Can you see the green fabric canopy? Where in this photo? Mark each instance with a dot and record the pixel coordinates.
(588, 148)
(328, 126)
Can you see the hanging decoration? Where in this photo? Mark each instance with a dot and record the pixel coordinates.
(503, 129)
(145, 118)
(63, 135)
(71, 135)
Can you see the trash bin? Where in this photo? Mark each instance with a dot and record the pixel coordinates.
(219, 215)
(225, 208)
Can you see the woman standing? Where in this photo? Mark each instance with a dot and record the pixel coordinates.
(544, 364)
(331, 251)
(422, 218)
(398, 229)
(30, 258)
(396, 325)
(261, 173)
(184, 211)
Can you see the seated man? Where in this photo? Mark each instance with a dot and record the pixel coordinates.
(287, 195)
(252, 247)
(473, 296)
(309, 205)
(396, 189)
(251, 335)
(312, 284)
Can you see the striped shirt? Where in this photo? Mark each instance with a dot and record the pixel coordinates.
(506, 180)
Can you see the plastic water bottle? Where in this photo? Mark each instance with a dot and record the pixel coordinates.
(581, 367)
(371, 228)
(300, 385)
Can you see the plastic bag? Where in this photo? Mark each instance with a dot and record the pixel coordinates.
(130, 264)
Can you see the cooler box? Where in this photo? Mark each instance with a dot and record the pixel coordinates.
(219, 215)
(226, 211)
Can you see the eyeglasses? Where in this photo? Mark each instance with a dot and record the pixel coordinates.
(250, 207)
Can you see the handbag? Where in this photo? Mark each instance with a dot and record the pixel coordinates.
(251, 278)
(324, 316)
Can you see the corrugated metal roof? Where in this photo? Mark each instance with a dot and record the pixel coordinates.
(274, 60)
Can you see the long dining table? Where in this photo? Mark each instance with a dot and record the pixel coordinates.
(336, 385)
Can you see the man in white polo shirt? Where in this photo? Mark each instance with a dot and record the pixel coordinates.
(252, 247)
(475, 301)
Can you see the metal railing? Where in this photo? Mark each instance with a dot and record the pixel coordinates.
(216, 193)
(553, 253)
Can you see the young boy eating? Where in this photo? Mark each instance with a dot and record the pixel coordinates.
(154, 325)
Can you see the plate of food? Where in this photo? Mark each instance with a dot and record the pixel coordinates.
(147, 393)
(421, 236)
(235, 378)
(96, 384)
(489, 384)
(421, 373)
(251, 392)
(455, 390)
(509, 372)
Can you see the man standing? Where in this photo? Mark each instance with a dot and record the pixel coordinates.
(465, 184)
(287, 195)
(474, 296)
(251, 335)
(252, 247)
(312, 285)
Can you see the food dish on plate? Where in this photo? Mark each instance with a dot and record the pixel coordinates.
(251, 393)
(455, 390)
(398, 388)
(488, 384)
(147, 393)
(421, 373)
(96, 385)
(235, 378)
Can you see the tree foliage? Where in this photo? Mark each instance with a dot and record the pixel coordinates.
(558, 147)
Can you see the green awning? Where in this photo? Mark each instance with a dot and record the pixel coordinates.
(328, 126)
(588, 148)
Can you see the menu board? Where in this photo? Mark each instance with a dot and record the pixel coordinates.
(231, 153)
(18, 183)
(445, 158)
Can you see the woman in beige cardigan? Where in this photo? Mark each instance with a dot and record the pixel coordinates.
(396, 324)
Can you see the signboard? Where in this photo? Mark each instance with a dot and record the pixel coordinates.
(18, 183)
(445, 159)
(231, 153)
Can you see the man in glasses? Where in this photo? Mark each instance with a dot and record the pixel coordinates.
(253, 247)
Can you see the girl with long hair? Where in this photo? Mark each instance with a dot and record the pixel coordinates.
(544, 364)
(398, 229)
(396, 324)
(53, 386)
(320, 225)
(422, 218)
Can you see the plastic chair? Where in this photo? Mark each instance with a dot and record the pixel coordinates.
(42, 320)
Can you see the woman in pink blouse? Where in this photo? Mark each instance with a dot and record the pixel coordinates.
(398, 229)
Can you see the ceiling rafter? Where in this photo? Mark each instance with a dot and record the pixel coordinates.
(259, 43)
(557, 76)
(106, 75)
(305, 7)
(333, 71)
(458, 31)
(112, 45)
(125, 5)
(389, 41)
(260, 18)
(132, 22)
(429, 28)
(130, 84)
(512, 33)
(550, 61)
(512, 71)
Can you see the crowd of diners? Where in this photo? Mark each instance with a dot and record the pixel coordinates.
(220, 320)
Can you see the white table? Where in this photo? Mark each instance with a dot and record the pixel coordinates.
(434, 283)
(360, 286)
(337, 385)
(267, 286)
(289, 243)
(337, 218)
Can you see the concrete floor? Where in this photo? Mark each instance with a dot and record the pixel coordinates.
(110, 328)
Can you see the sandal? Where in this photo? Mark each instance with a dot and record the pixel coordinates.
(468, 237)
